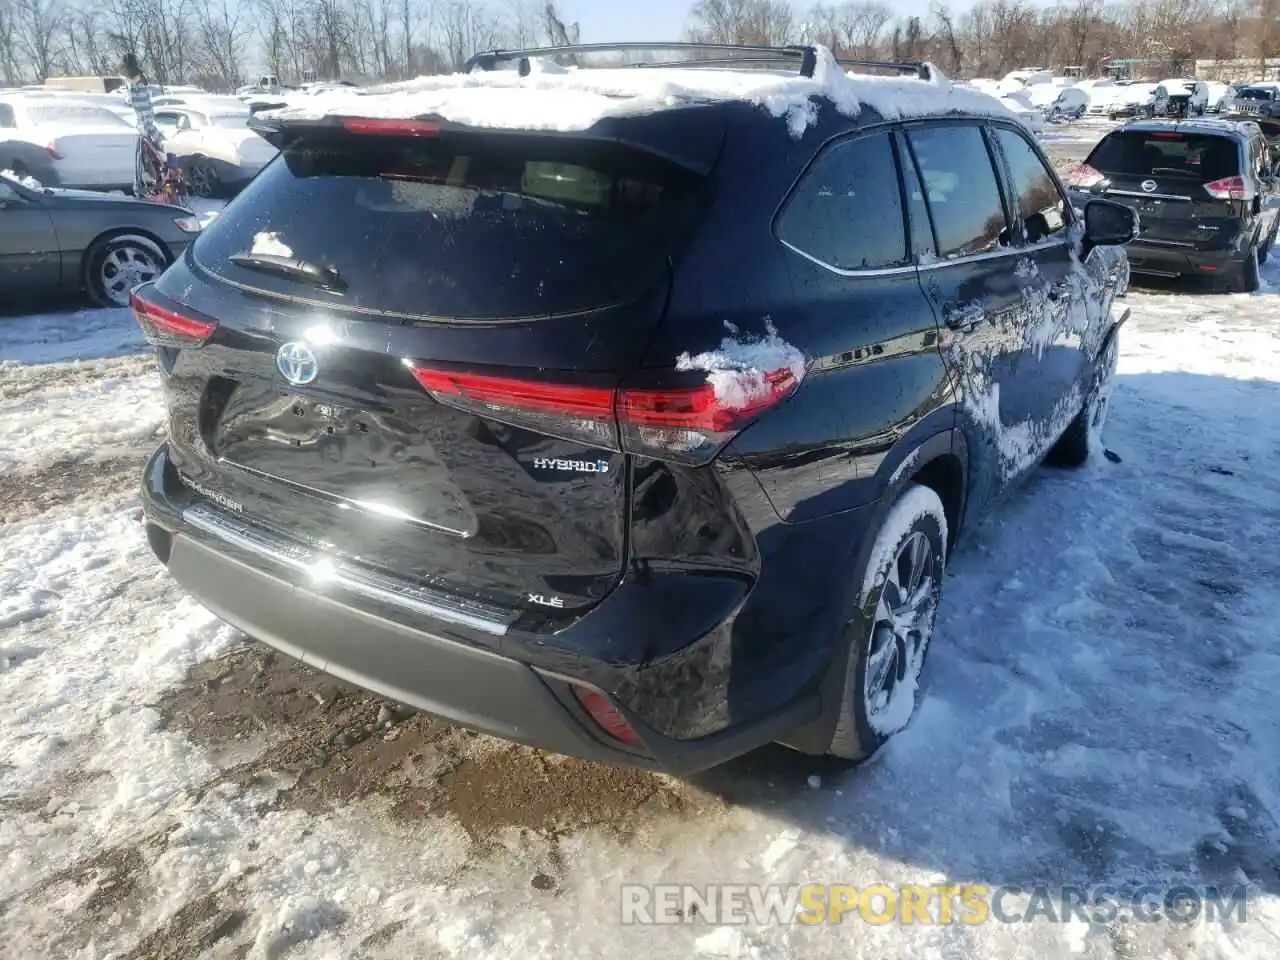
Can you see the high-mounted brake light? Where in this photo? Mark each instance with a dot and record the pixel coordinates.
(1228, 188)
(390, 127)
(1084, 176)
(1165, 135)
(168, 328)
(685, 423)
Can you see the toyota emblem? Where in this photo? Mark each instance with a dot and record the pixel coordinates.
(1148, 186)
(297, 363)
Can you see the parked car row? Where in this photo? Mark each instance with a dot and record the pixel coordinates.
(89, 140)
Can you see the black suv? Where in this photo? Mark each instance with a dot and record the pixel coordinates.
(1205, 190)
(646, 442)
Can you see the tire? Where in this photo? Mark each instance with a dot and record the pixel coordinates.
(876, 703)
(1084, 433)
(203, 179)
(115, 265)
(1265, 251)
(1248, 279)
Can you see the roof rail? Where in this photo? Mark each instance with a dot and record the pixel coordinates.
(807, 54)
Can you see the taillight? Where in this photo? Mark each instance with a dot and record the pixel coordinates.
(689, 424)
(606, 716)
(1228, 188)
(1083, 176)
(692, 424)
(51, 148)
(564, 410)
(164, 327)
(389, 127)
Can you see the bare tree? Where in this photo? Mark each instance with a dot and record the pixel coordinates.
(862, 24)
(947, 34)
(10, 55)
(559, 34)
(741, 21)
(222, 30)
(37, 24)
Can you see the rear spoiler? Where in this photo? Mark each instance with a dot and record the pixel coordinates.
(689, 137)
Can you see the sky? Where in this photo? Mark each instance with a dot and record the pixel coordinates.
(605, 20)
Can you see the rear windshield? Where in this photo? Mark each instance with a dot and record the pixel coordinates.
(461, 227)
(1167, 154)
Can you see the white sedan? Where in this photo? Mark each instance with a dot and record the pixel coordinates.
(64, 142)
(214, 144)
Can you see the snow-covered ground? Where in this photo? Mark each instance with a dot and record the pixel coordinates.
(1099, 707)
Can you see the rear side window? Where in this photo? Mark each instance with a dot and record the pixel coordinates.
(961, 187)
(1041, 206)
(1165, 153)
(847, 210)
(463, 227)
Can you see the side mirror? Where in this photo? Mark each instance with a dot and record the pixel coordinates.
(1109, 224)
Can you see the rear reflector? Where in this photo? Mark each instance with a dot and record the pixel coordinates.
(1228, 188)
(606, 716)
(689, 424)
(169, 328)
(387, 127)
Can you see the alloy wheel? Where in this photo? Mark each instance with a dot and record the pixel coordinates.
(123, 268)
(905, 612)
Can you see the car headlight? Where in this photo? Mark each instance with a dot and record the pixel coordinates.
(187, 224)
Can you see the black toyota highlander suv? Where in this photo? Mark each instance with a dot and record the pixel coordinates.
(645, 442)
(1205, 192)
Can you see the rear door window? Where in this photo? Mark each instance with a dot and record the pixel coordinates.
(1167, 153)
(961, 188)
(1040, 204)
(847, 212)
(465, 227)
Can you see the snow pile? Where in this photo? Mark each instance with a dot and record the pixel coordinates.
(31, 183)
(578, 99)
(269, 244)
(739, 371)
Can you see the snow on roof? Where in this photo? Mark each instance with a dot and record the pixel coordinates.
(572, 100)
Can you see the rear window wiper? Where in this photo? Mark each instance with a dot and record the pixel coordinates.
(293, 268)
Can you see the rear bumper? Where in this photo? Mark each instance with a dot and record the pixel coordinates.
(1166, 260)
(400, 658)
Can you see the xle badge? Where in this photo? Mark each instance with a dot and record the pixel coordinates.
(546, 601)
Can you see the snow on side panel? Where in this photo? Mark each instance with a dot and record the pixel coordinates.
(576, 100)
(740, 369)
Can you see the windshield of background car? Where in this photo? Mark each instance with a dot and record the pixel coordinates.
(70, 113)
(1256, 93)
